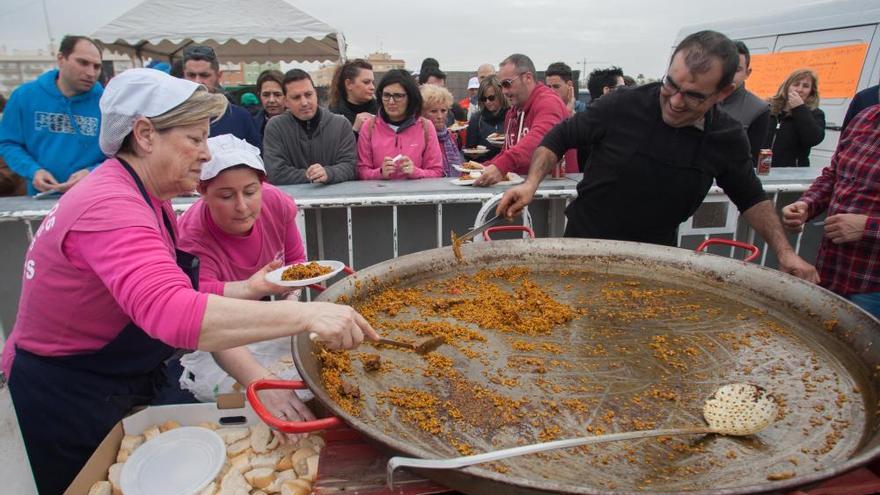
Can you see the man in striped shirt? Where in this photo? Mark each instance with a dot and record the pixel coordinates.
(849, 188)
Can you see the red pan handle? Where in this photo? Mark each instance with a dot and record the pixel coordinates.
(508, 228)
(748, 247)
(286, 426)
(320, 288)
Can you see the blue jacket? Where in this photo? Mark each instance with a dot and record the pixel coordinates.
(238, 122)
(42, 128)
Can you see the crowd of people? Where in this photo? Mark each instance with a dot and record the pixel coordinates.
(128, 282)
(59, 112)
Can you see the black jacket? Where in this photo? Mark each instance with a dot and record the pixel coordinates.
(643, 177)
(792, 134)
(480, 126)
(862, 100)
(350, 111)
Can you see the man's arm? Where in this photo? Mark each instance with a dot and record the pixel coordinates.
(578, 131)
(12, 143)
(345, 167)
(763, 218)
(280, 168)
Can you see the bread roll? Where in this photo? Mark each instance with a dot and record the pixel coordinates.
(299, 460)
(113, 475)
(311, 469)
(238, 447)
(280, 479)
(260, 477)
(290, 488)
(151, 433)
(101, 488)
(232, 435)
(260, 437)
(241, 462)
(234, 483)
(211, 489)
(168, 425)
(122, 455)
(131, 442)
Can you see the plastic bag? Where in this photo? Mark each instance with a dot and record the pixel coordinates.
(205, 379)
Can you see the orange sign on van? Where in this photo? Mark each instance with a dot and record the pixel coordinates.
(838, 69)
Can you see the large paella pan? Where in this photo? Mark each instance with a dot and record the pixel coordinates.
(558, 338)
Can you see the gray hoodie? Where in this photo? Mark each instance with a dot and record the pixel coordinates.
(288, 150)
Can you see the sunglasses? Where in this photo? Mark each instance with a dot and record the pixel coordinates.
(199, 52)
(507, 83)
(484, 99)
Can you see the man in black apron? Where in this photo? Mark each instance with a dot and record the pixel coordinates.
(655, 152)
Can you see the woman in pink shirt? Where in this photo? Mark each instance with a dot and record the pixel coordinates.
(241, 229)
(107, 295)
(398, 143)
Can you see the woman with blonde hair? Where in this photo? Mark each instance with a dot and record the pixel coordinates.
(489, 119)
(796, 121)
(436, 102)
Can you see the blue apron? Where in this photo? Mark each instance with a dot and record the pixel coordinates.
(66, 405)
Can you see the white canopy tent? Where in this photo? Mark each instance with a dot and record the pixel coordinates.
(238, 31)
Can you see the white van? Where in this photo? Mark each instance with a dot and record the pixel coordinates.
(812, 26)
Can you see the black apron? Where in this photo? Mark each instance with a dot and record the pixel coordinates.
(66, 405)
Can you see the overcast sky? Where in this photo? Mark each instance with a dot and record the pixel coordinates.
(634, 34)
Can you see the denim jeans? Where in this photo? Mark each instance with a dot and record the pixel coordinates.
(869, 301)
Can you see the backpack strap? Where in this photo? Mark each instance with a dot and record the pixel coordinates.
(425, 125)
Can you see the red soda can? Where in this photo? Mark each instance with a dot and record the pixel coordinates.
(559, 169)
(765, 161)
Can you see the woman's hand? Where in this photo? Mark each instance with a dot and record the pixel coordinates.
(388, 168)
(359, 120)
(794, 99)
(337, 326)
(257, 285)
(285, 405)
(406, 166)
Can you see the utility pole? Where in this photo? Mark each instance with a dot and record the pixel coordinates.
(48, 29)
(589, 62)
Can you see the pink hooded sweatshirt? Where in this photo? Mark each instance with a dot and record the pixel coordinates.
(525, 128)
(416, 139)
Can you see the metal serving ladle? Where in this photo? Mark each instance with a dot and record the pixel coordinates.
(737, 409)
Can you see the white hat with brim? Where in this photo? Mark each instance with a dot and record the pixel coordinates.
(137, 93)
(473, 83)
(229, 151)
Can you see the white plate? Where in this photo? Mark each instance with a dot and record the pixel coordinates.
(275, 275)
(475, 151)
(457, 127)
(462, 169)
(183, 461)
(516, 179)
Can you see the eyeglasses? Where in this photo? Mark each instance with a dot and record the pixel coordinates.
(507, 83)
(393, 96)
(484, 99)
(199, 52)
(691, 98)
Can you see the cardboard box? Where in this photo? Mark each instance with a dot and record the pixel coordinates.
(229, 410)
